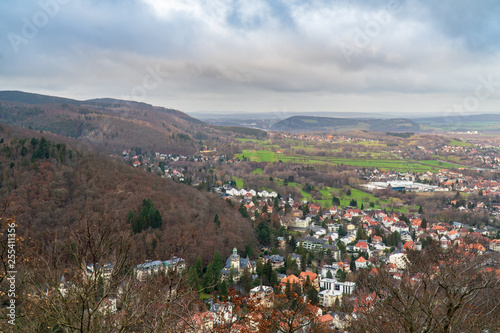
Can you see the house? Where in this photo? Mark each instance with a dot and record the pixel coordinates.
(264, 295)
(445, 242)
(361, 263)
(328, 268)
(399, 260)
(349, 238)
(223, 313)
(297, 258)
(311, 277)
(326, 321)
(235, 265)
(340, 320)
(495, 245)
(292, 279)
(327, 297)
(333, 284)
(108, 306)
(416, 223)
(399, 227)
(152, 268)
(200, 322)
(311, 243)
(376, 239)
(409, 245)
(281, 242)
(362, 245)
(277, 261)
(105, 271)
(147, 269)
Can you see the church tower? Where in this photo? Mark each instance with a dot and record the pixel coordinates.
(235, 261)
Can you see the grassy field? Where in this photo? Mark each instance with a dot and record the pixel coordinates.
(204, 296)
(239, 182)
(257, 171)
(258, 155)
(459, 143)
(382, 160)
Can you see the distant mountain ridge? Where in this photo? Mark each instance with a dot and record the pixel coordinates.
(112, 123)
(485, 117)
(315, 124)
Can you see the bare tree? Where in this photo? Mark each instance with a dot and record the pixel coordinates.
(452, 290)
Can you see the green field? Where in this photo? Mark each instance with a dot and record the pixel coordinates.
(239, 182)
(257, 171)
(459, 143)
(258, 155)
(382, 163)
(386, 161)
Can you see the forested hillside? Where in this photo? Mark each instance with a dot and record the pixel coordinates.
(115, 124)
(50, 187)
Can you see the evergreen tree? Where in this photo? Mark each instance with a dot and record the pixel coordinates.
(209, 280)
(148, 217)
(217, 265)
(337, 304)
(193, 278)
(423, 225)
(246, 280)
(341, 247)
(329, 274)
(341, 275)
(259, 269)
(224, 288)
(268, 270)
(216, 220)
(274, 278)
(288, 290)
(243, 210)
(303, 262)
(293, 243)
(312, 295)
(198, 265)
(248, 250)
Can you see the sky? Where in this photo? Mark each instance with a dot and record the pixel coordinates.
(404, 57)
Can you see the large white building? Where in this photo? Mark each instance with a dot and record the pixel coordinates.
(334, 285)
(151, 268)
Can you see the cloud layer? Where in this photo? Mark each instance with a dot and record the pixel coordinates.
(256, 56)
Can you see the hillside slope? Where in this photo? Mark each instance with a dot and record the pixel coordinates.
(51, 186)
(110, 123)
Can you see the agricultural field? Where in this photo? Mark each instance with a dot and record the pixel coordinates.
(457, 143)
(393, 164)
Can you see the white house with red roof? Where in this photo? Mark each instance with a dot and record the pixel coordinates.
(399, 227)
(362, 245)
(361, 263)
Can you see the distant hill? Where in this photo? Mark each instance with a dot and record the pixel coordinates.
(310, 124)
(467, 122)
(111, 123)
(487, 117)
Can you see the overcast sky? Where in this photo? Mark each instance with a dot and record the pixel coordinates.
(259, 55)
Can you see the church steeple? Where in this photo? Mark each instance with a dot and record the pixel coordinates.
(235, 260)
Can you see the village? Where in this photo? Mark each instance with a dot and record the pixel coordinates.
(320, 255)
(320, 251)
